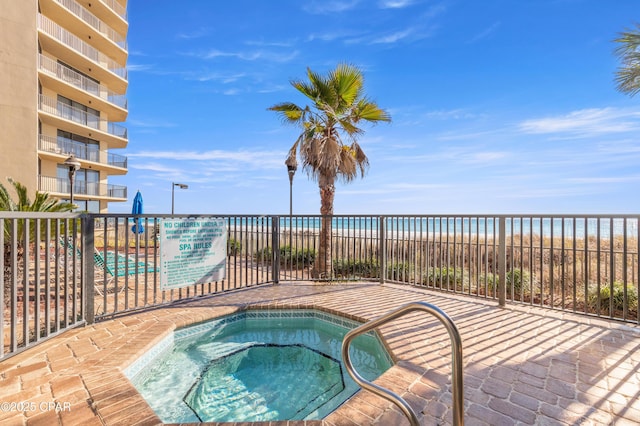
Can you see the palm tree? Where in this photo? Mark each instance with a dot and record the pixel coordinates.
(42, 203)
(628, 75)
(328, 144)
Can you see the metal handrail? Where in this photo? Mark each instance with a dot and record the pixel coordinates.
(456, 360)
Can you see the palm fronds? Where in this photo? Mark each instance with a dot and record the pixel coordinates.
(628, 74)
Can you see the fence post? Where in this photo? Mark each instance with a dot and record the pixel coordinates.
(88, 266)
(382, 249)
(502, 261)
(275, 256)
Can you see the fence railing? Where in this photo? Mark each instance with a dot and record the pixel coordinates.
(88, 17)
(75, 43)
(62, 186)
(80, 81)
(89, 152)
(55, 107)
(41, 289)
(117, 8)
(64, 270)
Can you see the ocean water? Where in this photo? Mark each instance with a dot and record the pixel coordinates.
(409, 226)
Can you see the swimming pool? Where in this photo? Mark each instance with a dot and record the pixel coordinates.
(256, 365)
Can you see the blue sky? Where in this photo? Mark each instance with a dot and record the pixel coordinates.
(498, 106)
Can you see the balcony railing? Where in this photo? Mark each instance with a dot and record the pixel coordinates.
(65, 37)
(59, 109)
(95, 189)
(78, 80)
(88, 17)
(116, 7)
(117, 130)
(82, 151)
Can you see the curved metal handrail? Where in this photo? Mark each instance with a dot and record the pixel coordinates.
(456, 360)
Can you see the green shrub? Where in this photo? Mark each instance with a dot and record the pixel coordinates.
(295, 258)
(439, 277)
(519, 280)
(263, 255)
(618, 296)
(361, 268)
(399, 270)
(515, 278)
(234, 247)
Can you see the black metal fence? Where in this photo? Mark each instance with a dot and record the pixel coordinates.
(65, 270)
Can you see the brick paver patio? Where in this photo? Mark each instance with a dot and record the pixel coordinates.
(522, 365)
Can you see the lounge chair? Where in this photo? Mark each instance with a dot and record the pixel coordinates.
(117, 265)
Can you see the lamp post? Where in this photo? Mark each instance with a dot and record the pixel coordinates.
(73, 165)
(173, 186)
(291, 169)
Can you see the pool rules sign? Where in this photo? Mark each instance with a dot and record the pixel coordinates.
(192, 251)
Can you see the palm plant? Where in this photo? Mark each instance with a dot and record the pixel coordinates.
(328, 144)
(628, 75)
(42, 203)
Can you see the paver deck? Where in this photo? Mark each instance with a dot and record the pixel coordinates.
(522, 365)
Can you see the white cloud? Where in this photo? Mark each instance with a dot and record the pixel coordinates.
(335, 35)
(602, 179)
(585, 122)
(149, 123)
(393, 38)
(453, 114)
(138, 67)
(195, 34)
(485, 33)
(223, 78)
(257, 158)
(155, 167)
(395, 4)
(322, 7)
(255, 55)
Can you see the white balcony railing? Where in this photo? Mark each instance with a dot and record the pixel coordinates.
(78, 80)
(54, 107)
(88, 17)
(116, 7)
(65, 37)
(64, 146)
(96, 189)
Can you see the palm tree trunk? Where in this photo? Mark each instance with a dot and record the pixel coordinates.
(323, 267)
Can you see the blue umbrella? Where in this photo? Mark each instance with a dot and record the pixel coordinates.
(136, 209)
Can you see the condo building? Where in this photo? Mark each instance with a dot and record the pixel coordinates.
(63, 81)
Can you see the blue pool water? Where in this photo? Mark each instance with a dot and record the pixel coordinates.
(255, 366)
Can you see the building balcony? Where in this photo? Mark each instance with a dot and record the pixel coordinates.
(82, 190)
(111, 12)
(74, 85)
(72, 14)
(58, 148)
(72, 50)
(84, 123)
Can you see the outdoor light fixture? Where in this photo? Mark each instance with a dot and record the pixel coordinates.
(74, 166)
(291, 169)
(173, 186)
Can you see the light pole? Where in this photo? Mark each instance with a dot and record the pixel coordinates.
(173, 186)
(291, 169)
(73, 165)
